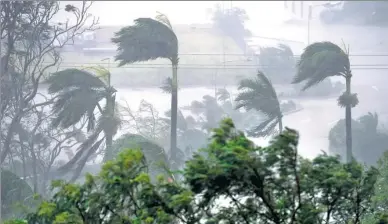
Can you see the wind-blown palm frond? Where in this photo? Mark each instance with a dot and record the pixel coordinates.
(147, 39)
(71, 106)
(75, 101)
(73, 78)
(319, 61)
(258, 94)
(265, 128)
(78, 94)
(100, 72)
(82, 151)
(223, 95)
(160, 17)
(82, 161)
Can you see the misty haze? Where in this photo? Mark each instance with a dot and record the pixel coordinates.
(194, 112)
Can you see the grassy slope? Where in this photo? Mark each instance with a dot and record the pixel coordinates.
(194, 39)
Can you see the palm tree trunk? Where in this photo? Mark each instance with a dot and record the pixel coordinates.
(108, 147)
(348, 121)
(174, 110)
(110, 103)
(280, 124)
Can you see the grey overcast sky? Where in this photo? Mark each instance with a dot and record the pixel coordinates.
(183, 12)
(266, 17)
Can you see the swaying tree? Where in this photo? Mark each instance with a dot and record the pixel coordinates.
(149, 39)
(324, 59)
(270, 184)
(259, 95)
(79, 94)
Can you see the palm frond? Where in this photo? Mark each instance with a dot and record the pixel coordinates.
(82, 151)
(147, 39)
(223, 95)
(73, 78)
(319, 61)
(71, 106)
(163, 19)
(258, 94)
(82, 161)
(265, 128)
(100, 72)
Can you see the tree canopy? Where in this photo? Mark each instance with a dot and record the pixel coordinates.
(236, 182)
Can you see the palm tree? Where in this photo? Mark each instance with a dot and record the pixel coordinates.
(259, 94)
(324, 59)
(79, 94)
(149, 39)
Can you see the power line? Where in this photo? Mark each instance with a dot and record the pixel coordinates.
(228, 68)
(66, 64)
(235, 54)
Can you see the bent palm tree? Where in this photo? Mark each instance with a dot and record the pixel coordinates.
(259, 94)
(79, 94)
(320, 61)
(150, 39)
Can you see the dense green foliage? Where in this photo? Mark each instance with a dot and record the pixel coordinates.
(237, 182)
(155, 156)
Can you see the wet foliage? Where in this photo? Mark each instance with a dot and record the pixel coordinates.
(270, 184)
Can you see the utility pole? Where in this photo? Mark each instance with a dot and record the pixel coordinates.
(308, 23)
(1, 133)
(1, 137)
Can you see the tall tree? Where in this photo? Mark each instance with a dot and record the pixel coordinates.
(79, 94)
(259, 94)
(322, 60)
(149, 39)
(31, 41)
(31, 44)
